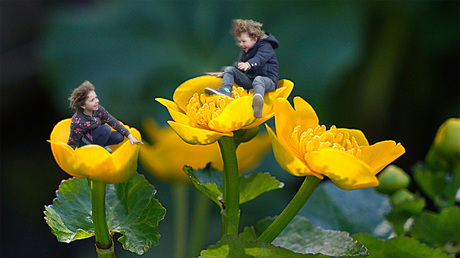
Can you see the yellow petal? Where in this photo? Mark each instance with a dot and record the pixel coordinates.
(185, 91)
(379, 155)
(194, 135)
(94, 161)
(61, 131)
(235, 115)
(345, 170)
(65, 158)
(287, 160)
(359, 136)
(176, 113)
(286, 119)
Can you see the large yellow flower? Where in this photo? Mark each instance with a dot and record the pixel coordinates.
(200, 118)
(94, 161)
(303, 147)
(168, 153)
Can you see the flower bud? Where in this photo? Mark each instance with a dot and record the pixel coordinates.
(392, 179)
(446, 145)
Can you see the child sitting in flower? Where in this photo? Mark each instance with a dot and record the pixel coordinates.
(256, 69)
(88, 124)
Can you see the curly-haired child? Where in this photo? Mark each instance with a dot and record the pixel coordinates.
(89, 123)
(257, 67)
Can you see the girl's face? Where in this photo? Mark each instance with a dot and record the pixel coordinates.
(245, 42)
(91, 103)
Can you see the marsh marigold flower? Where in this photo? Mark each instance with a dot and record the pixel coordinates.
(303, 147)
(93, 161)
(168, 153)
(200, 118)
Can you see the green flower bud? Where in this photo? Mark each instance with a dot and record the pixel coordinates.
(392, 179)
(446, 145)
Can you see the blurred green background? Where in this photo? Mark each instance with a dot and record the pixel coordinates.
(390, 69)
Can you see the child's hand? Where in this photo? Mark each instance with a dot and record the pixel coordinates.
(133, 140)
(216, 74)
(244, 66)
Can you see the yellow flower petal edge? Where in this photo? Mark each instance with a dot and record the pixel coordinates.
(194, 135)
(94, 161)
(287, 160)
(344, 170)
(186, 90)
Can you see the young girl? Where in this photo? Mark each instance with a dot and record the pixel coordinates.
(256, 69)
(88, 123)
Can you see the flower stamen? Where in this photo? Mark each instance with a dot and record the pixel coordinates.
(319, 138)
(202, 108)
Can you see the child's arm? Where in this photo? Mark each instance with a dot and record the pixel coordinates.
(216, 74)
(113, 122)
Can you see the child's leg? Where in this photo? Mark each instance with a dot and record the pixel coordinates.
(114, 138)
(261, 85)
(231, 75)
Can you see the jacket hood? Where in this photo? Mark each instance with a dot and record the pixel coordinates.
(271, 39)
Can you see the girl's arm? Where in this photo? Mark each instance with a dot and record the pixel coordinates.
(264, 53)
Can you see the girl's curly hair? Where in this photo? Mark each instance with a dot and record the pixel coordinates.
(80, 94)
(251, 27)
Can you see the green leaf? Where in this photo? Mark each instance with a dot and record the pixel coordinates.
(357, 211)
(256, 184)
(69, 217)
(131, 211)
(397, 247)
(233, 246)
(301, 236)
(209, 181)
(439, 231)
(438, 185)
(405, 205)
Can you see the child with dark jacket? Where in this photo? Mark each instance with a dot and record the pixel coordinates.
(90, 123)
(256, 69)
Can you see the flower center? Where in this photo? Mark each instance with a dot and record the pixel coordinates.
(203, 108)
(319, 138)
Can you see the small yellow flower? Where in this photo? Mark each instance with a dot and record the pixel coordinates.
(168, 153)
(93, 161)
(303, 147)
(200, 118)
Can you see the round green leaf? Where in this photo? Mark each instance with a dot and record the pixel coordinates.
(301, 236)
(131, 210)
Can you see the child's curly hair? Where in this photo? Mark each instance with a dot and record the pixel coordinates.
(251, 27)
(80, 94)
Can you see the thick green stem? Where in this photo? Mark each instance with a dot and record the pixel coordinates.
(104, 244)
(180, 217)
(231, 184)
(308, 186)
(199, 223)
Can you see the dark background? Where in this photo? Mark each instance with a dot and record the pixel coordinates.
(390, 69)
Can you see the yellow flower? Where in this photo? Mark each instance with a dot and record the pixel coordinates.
(303, 147)
(168, 153)
(94, 161)
(200, 118)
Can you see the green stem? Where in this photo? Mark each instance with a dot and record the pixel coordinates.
(308, 186)
(180, 217)
(104, 244)
(231, 184)
(199, 223)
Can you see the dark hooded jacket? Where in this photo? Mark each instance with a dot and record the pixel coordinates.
(262, 58)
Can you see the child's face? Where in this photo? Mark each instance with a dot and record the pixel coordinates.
(91, 103)
(245, 42)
